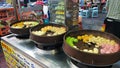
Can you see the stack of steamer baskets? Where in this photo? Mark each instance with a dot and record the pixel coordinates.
(48, 36)
(91, 47)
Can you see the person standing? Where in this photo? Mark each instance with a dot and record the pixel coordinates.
(112, 20)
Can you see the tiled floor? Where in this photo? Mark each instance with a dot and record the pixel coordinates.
(2, 60)
(93, 23)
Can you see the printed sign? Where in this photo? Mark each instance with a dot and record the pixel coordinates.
(15, 59)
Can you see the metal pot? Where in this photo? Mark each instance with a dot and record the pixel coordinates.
(21, 31)
(89, 58)
(47, 40)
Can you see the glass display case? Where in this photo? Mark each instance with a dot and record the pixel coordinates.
(57, 11)
(72, 12)
(64, 12)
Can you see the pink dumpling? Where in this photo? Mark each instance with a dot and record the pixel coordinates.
(116, 48)
(102, 51)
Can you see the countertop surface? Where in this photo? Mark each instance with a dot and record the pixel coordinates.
(49, 58)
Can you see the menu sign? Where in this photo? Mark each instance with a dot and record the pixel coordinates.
(16, 60)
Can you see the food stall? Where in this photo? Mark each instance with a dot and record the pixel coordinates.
(28, 52)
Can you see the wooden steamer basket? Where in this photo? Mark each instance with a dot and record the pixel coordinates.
(91, 59)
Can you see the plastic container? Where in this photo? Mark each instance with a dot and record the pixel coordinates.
(4, 28)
